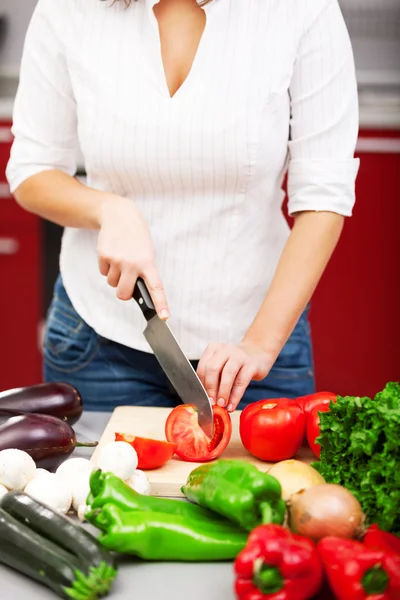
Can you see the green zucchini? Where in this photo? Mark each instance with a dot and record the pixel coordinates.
(57, 528)
(75, 575)
(27, 552)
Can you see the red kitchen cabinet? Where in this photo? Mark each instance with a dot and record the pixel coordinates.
(355, 315)
(20, 287)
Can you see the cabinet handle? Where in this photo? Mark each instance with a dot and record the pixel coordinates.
(5, 190)
(8, 246)
(378, 145)
(5, 135)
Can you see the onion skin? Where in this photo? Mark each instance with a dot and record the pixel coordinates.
(325, 510)
(294, 476)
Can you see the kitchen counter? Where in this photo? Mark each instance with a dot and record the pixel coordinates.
(136, 580)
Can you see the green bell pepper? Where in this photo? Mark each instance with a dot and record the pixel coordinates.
(169, 537)
(238, 491)
(106, 488)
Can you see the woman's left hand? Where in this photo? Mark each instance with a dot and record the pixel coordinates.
(226, 371)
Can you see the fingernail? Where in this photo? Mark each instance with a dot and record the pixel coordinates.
(230, 407)
(212, 400)
(221, 402)
(164, 314)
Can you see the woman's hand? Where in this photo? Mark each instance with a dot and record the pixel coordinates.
(126, 252)
(226, 371)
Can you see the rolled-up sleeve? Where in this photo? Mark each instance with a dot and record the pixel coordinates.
(44, 116)
(324, 117)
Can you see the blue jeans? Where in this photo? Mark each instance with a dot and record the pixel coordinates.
(108, 374)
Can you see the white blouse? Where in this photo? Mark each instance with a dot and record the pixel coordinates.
(272, 88)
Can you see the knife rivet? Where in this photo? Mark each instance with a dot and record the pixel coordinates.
(141, 301)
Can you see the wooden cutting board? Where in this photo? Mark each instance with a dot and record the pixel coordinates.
(149, 422)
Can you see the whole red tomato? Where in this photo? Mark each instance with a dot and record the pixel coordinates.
(313, 428)
(152, 454)
(192, 444)
(308, 403)
(272, 430)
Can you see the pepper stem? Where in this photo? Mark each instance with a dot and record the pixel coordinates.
(375, 581)
(86, 444)
(267, 579)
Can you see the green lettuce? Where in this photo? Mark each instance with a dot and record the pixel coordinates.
(360, 450)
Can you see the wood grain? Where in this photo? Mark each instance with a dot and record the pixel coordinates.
(149, 422)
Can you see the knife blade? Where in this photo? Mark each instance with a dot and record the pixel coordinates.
(173, 361)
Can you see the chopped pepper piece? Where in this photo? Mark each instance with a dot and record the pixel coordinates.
(277, 565)
(171, 537)
(237, 490)
(106, 488)
(358, 572)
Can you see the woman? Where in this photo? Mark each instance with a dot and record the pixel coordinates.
(188, 116)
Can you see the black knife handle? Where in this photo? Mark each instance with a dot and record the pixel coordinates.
(142, 296)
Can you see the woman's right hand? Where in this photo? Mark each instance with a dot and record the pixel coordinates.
(126, 252)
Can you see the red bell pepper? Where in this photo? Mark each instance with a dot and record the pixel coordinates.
(357, 572)
(382, 540)
(277, 565)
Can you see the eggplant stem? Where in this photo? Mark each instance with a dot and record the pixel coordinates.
(86, 444)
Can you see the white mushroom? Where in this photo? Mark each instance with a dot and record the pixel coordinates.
(74, 466)
(3, 490)
(139, 482)
(42, 473)
(80, 486)
(17, 469)
(82, 510)
(52, 491)
(119, 458)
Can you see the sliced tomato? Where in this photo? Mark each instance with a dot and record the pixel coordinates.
(313, 428)
(308, 403)
(182, 428)
(272, 430)
(152, 454)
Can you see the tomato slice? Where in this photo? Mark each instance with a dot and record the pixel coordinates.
(193, 445)
(313, 428)
(152, 454)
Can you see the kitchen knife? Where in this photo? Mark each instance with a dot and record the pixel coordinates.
(173, 361)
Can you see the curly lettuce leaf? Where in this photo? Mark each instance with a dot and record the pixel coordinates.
(360, 450)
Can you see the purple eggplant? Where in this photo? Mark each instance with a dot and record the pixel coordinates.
(47, 439)
(57, 399)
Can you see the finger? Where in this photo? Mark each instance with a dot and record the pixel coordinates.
(113, 276)
(239, 387)
(213, 372)
(207, 354)
(157, 293)
(126, 285)
(104, 266)
(228, 376)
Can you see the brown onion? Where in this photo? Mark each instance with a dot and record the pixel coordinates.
(294, 476)
(325, 510)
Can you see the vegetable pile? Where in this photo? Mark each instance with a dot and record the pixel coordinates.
(289, 531)
(360, 449)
